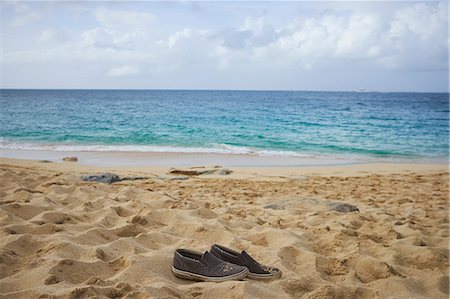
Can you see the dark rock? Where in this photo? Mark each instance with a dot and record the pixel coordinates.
(70, 159)
(191, 172)
(176, 178)
(110, 178)
(45, 161)
(200, 170)
(223, 171)
(134, 178)
(345, 208)
(107, 178)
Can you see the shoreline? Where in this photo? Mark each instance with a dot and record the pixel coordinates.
(242, 172)
(171, 159)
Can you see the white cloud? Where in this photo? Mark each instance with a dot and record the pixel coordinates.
(98, 37)
(125, 70)
(315, 41)
(194, 49)
(52, 35)
(115, 42)
(253, 32)
(417, 39)
(119, 29)
(422, 20)
(24, 14)
(123, 19)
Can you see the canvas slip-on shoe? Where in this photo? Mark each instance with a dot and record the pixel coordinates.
(256, 270)
(193, 265)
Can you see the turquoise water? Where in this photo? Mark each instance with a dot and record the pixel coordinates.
(274, 123)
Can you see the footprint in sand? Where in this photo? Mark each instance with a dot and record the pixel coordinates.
(369, 269)
(330, 266)
(23, 211)
(77, 272)
(129, 230)
(141, 220)
(54, 217)
(298, 287)
(292, 258)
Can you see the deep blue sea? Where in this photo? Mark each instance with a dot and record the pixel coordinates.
(399, 126)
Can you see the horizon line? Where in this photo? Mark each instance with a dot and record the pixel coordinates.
(207, 89)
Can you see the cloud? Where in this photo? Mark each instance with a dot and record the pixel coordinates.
(113, 42)
(125, 70)
(99, 37)
(252, 33)
(123, 19)
(24, 14)
(414, 38)
(119, 29)
(318, 41)
(52, 35)
(417, 39)
(188, 49)
(235, 39)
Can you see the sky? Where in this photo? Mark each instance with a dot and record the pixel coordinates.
(295, 45)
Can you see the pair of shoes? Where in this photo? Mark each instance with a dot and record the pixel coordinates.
(220, 264)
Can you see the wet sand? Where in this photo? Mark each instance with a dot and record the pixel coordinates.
(167, 159)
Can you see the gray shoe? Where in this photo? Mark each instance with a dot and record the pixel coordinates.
(256, 270)
(194, 265)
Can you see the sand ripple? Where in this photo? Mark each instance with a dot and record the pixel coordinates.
(64, 238)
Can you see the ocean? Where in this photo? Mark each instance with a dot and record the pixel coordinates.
(357, 125)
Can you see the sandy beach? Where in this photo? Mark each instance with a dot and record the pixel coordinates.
(309, 137)
(62, 237)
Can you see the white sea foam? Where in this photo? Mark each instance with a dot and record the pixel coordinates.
(213, 149)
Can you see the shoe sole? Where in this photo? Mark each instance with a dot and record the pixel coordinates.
(197, 277)
(264, 276)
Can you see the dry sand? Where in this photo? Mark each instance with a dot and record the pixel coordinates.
(64, 238)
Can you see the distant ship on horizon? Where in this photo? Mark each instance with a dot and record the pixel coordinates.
(361, 90)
